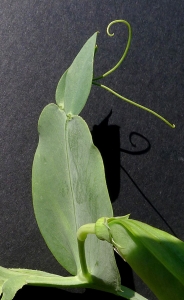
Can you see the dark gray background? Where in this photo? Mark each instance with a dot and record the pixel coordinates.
(38, 41)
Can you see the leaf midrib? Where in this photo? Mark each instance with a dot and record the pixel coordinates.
(71, 185)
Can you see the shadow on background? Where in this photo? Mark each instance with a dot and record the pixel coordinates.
(47, 293)
(137, 152)
(107, 139)
(148, 201)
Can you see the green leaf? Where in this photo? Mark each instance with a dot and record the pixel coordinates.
(9, 283)
(11, 286)
(74, 86)
(69, 190)
(156, 256)
(168, 249)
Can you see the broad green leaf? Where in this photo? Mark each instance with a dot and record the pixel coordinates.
(69, 190)
(74, 86)
(156, 256)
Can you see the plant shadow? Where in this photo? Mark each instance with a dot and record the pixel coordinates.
(47, 293)
(107, 139)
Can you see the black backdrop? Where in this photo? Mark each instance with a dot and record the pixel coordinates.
(38, 41)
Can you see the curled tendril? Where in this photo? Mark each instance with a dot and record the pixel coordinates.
(117, 65)
(126, 49)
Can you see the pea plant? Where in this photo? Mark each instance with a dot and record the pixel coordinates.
(72, 205)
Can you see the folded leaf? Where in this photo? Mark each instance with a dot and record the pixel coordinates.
(69, 190)
(156, 256)
(74, 86)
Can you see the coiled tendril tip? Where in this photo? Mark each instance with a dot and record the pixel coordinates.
(117, 65)
(110, 34)
(126, 49)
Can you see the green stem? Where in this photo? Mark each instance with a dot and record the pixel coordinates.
(126, 49)
(82, 233)
(134, 103)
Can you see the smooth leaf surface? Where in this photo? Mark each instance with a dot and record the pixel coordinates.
(156, 256)
(11, 286)
(74, 86)
(69, 190)
(10, 283)
(168, 249)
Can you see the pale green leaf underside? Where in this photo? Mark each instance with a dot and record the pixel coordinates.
(69, 190)
(74, 86)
